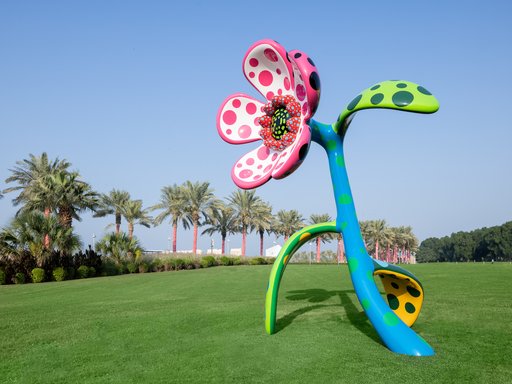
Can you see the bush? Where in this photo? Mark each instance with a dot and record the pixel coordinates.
(70, 273)
(37, 275)
(143, 267)
(19, 278)
(108, 268)
(132, 267)
(192, 264)
(82, 272)
(224, 260)
(2, 277)
(92, 271)
(59, 274)
(178, 264)
(208, 261)
(257, 261)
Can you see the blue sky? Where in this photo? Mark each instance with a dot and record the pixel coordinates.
(127, 91)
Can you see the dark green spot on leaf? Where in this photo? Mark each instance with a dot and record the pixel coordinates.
(377, 98)
(403, 98)
(354, 102)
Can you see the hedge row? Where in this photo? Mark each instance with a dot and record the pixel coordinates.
(109, 268)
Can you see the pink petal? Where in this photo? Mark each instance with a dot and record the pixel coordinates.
(310, 80)
(266, 67)
(237, 119)
(294, 155)
(254, 168)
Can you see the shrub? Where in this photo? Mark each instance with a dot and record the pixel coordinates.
(59, 274)
(70, 273)
(143, 267)
(19, 278)
(192, 264)
(2, 277)
(257, 261)
(37, 275)
(132, 267)
(157, 265)
(224, 260)
(108, 268)
(83, 271)
(178, 264)
(208, 261)
(92, 271)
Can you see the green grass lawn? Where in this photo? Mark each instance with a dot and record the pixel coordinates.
(207, 326)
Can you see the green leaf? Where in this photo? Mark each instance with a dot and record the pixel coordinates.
(392, 94)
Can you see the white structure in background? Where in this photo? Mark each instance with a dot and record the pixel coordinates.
(214, 251)
(273, 251)
(199, 251)
(235, 252)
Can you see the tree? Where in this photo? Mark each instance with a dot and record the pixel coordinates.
(26, 233)
(317, 219)
(377, 234)
(28, 173)
(68, 194)
(244, 202)
(286, 223)
(199, 203)
(262, 221)
(172, 204)
(120, 247)
(133, 212)
(223, 222)
(112, 204)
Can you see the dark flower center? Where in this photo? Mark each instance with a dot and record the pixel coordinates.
(279, 120)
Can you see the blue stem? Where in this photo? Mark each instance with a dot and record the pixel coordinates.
(397, 336)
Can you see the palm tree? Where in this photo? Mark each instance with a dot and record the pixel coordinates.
(112, 204)
(26, 234)
(262, 221)
(199, 203)
(317, 219)
(29, 172)
(172, 202)
(119, 247)
(244, 202)
(67, 193)
(287, 223)
(377, 234)
(222, 221)
(133, 212)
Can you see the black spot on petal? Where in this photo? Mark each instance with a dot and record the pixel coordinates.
(354, 102)
(393, 301)
(377, 98)
(311, 61)
(297, 55)
(288, 57)
(402, 98)
(423, 90)
(394, 285)
(314, 81)
(413, 291)
(410, 308)
(303, 151)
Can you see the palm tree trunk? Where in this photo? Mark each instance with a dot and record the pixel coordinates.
(341, 249)
(318, 249)
(118, 223)
(194, 245)
(223, 244)
(244, 235)
(174, 235)
(377, 249)
(261, 242)
(130, 230)
(388, 251)
(46, 241)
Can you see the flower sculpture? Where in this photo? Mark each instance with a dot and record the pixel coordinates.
(291, 86)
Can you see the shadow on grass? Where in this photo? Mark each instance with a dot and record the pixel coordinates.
(356, 317)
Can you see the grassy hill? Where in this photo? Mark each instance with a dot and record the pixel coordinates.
(207, 326)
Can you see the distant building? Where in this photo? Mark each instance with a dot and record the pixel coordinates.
(214, 251)
(198, 252)
(235, 252)
(273, 251)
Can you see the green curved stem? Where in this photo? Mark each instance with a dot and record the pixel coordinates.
(290, 247)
